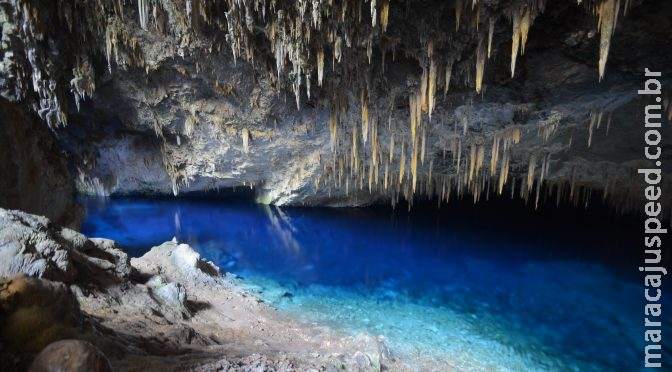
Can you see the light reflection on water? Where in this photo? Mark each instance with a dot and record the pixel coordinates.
(516, 294)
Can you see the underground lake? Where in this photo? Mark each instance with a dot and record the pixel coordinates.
(554, 289)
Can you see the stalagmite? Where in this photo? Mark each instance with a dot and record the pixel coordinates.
(608, 15)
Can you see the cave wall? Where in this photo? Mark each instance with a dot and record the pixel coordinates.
(34, 174)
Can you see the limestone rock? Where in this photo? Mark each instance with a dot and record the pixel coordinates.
(177, 263)
(71, 356)
(35, 176)
(33, 245)
(170, 295)
(35, 312)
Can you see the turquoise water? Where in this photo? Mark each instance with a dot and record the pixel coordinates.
(489, 287)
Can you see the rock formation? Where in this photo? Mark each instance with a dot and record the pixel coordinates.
(341, 103)
(34, 174)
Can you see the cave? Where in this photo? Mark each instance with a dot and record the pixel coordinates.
(335, 185)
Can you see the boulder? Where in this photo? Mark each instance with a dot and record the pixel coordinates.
(71, 356)
(35, 312)
(177, 263)
(33, 245)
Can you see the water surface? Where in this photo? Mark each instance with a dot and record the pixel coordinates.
(493, 286)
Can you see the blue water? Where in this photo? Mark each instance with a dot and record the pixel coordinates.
(492, 286)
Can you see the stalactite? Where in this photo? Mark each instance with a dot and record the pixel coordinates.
(491, 31)
(320, 66)
(402, 164)
(472, 162)
(504, 173)
(384, 13)
(480, 64)
(333, 127)
(459, 156)
(525, 21)
(422, 146)
(530, 172)
(246, 140)
(414, 164)
(386, 175)
(374, 142)
(355, 150)
(608, 15)
(370, 177)
(431, 169)
(411, 104)
(449, 72)
(143, 11)
(365, 115)
(465, 125)
(374, 15)
(458, 14)
(480, 157)
(432, 86)
(515, 38)
(494, 155)
(423, 89)
(391, 147)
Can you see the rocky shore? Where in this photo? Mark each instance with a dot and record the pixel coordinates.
(82, 304)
